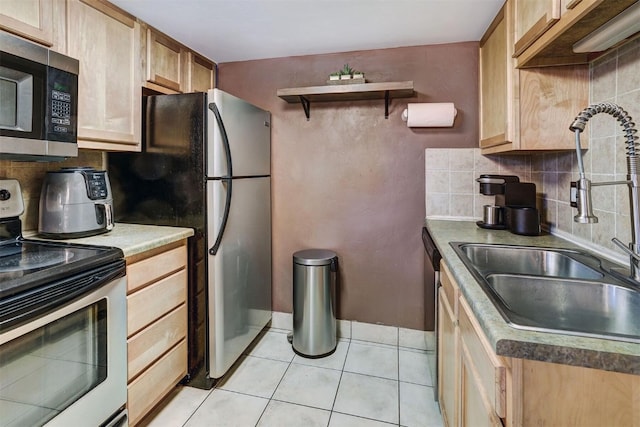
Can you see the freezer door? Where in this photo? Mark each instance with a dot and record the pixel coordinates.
(248, 132)
(240, 271)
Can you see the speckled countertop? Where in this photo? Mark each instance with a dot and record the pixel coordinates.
(510, 342)
(133, 238)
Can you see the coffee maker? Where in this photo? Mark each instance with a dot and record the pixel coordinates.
(515, 204)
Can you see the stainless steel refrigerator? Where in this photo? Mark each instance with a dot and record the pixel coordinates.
(206, 164)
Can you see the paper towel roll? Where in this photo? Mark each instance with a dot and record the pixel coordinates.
(433, 114)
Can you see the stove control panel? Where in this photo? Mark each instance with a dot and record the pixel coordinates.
(11, 203)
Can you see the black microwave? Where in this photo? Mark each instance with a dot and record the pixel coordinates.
(38, 101)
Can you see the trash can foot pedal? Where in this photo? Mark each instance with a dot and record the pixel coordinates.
(290, 337)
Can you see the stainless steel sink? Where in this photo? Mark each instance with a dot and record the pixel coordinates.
(566, 263)
(555, 290)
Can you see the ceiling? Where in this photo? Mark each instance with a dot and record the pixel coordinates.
(240, 30)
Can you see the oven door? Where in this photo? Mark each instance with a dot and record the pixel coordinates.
(68, 367)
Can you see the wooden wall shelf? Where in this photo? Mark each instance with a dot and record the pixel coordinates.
(353, 92)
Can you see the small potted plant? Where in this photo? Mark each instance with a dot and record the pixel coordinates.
(334, 76)
(345, 73)
(358, 75)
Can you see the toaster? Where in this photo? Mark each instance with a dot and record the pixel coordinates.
(75, 202)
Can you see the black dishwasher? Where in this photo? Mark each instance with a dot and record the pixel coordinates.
(431, 285)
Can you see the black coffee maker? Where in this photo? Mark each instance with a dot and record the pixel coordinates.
(515, 205)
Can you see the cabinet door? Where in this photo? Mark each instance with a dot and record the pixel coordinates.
(532, 19)
(566, 5)
(475, 411)
(525, 109)
(32, 19)
(447, 361)
(551, 97)
(201, 75)
(165, 59)
(497, 124)
(106, 41)
(482, 367)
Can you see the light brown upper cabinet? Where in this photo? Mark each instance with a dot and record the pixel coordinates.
(106, 41)
(170, 67)
(32, 19)
(532, 19)
(201, 73)
(525, 110)
(165, 61)
(546, 30)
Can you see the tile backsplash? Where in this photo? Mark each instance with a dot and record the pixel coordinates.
(615, 77)
(450, 173)
(450, 180)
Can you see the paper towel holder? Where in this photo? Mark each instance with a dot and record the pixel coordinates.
(438, 114)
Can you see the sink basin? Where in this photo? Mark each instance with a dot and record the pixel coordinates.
(590, 308)
(555, 290)
(564, 263)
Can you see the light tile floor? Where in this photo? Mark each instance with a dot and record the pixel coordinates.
(361, 384)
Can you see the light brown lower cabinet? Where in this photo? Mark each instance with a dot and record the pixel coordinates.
(478, 388)
(156, 326)
(448, 350)
(482, 376)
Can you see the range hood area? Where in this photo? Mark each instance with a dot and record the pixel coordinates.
(624, 25)
(589, 27)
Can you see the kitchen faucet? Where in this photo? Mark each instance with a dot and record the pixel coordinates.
(583, 185)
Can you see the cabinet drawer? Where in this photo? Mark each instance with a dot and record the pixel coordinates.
(490, 369)
(152, 342)
(148, 270)
(152, 302)
(450, 288)
(149, 388)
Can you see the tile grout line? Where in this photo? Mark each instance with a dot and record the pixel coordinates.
(348, 341)
(198, 407)
(398, 353)
(339, 381)
(276, 388)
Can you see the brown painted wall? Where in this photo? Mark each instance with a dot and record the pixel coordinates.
(349, 180)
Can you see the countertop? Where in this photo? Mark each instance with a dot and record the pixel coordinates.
(507, 341)
(132, 238)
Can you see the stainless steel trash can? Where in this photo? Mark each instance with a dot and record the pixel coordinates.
(314, 302)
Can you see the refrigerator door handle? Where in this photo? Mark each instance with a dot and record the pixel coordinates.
(225, 216)
(225, 179)
(225, 139)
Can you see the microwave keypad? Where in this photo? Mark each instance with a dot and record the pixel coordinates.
(60, 110)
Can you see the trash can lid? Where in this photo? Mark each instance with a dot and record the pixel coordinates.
(314, 257)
